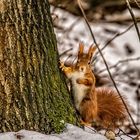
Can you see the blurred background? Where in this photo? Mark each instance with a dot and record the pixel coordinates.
(95, 9)
(115, 32)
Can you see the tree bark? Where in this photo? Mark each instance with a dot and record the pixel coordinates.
(33, 94)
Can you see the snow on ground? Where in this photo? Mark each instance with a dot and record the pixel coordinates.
(71, 133)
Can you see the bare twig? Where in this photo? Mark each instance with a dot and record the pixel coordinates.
(120, 62)
(79, 3)
(126, 134)
(117, 35)
(63, 53)
(138, 4)
(133, 17)
(91, 128)
(110, 40)
(138, 105)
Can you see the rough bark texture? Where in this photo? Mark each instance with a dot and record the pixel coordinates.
(32, 93)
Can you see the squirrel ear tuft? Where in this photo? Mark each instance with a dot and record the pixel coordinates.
(91, 51)
(81, 48)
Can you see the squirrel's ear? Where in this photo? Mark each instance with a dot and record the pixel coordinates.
(81, 48)
(91, 51)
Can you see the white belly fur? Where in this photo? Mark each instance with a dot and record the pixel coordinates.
(78, 89)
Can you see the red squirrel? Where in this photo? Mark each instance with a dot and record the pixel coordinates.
(100, 105)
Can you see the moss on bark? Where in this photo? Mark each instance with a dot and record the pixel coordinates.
(33, 94)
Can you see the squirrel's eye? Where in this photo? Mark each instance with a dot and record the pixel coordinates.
(88, 63)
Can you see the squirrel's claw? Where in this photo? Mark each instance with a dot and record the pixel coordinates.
(62, 66)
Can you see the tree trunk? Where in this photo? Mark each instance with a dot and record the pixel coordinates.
(33, 94)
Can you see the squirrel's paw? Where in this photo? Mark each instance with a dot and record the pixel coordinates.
(85, 123)
(110, 135)
(62, 66)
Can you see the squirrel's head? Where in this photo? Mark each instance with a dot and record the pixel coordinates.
(84, 59)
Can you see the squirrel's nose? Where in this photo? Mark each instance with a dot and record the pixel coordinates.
(82, 69)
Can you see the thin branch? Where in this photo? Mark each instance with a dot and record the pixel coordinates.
(91, 128)
(120, 62)
(117, 35)
(126, 134)
(133, 17)
(110, 40)
(137, 3)
(63, 53)
(138, 105)
(93, 37)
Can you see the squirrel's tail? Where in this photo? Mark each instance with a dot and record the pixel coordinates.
(111, 109)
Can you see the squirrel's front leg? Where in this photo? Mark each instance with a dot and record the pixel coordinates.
(67, 70)
(85, 81)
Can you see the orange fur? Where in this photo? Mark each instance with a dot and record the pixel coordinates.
(89, 108)
(110, 106)
(104, 107)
